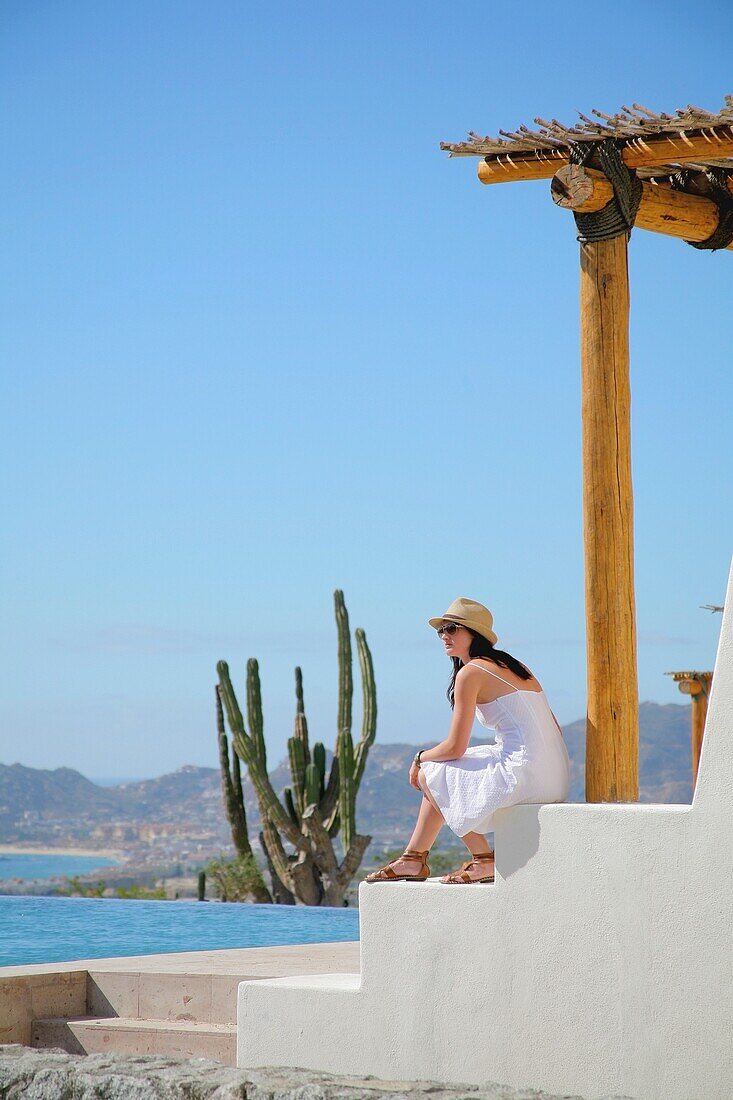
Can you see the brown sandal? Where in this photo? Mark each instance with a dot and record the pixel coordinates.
(386, 874)
(461, 876)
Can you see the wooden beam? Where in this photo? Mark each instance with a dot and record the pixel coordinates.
(637, 153)
(613, 702)
(661, 210)
(516, 167)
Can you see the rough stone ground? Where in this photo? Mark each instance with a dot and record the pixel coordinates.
(29, 1074)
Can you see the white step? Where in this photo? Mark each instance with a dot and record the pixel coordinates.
(345, 982)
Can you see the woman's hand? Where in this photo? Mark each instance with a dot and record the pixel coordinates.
(413, 776)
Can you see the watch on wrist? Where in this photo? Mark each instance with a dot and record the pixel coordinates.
(416, 758)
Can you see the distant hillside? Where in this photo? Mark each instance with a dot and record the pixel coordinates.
(50, 794)
(31, 799)
(177, 796)
(665, 754)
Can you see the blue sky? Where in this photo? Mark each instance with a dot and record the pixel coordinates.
(262, 339)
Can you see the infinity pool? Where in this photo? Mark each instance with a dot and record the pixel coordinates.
(38, 929)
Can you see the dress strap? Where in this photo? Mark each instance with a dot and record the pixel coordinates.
(490, 673)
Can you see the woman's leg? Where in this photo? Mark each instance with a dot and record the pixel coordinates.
(426, 791)
(476, 843)
(429, 823)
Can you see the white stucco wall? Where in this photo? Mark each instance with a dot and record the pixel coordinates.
(599, 963)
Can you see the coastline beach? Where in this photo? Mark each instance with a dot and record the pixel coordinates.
(41, 870)
(44, 850)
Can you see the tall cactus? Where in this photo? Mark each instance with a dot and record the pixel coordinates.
(315, 810)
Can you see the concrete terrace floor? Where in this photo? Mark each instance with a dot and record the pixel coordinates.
(177, 1003)
(255, 962)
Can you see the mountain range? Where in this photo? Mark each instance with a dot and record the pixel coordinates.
(36, 802)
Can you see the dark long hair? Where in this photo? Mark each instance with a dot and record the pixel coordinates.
(482, 647)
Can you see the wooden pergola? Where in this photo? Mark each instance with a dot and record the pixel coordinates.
(671, 174)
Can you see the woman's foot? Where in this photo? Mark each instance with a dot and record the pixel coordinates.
(480, 868)
(410, 865)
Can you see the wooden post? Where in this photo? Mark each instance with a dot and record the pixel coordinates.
(699, 714)
(611, 769)
(697, 686)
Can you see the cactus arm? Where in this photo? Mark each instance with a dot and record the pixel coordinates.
(280, 893)
(231, 782)
(290, 806)
(347, 794)
(369, 721)
(301, 724)
(277, 857)
(323, 853)
(229, 699)
(313, 788)
(269, 803)
(329, 804)
(254, 710)
(259, 890)
(296, 754)
(237, 783)
(350, 863)
(233, 806)
(346, 683)
(319, 763)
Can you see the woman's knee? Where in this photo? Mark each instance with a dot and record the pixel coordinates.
(426, 793)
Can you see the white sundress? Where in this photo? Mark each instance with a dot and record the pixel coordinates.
(529, 763)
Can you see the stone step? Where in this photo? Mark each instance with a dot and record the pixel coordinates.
(195, 986)
(200, 998)
(124, 1035)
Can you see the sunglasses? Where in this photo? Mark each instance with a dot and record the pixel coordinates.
(448, 628)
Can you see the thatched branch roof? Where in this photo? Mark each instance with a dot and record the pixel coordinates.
(630, 125)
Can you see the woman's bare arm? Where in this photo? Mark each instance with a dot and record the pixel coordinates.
(456, 743)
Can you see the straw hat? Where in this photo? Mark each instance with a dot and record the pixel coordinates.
(469, 613)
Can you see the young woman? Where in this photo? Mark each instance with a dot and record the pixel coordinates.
(463, 786)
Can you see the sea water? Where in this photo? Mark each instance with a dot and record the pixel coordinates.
(39, 930)
(28, 866)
